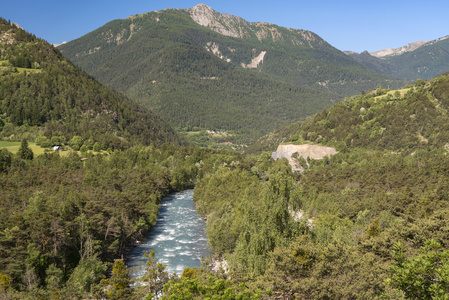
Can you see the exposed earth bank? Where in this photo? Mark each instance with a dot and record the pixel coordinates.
(311, 151)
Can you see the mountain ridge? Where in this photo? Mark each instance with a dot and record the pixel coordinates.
(418, 60)
(163, 59)
(407, 48)
(222, 23)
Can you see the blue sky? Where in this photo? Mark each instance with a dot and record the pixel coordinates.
(347, 25)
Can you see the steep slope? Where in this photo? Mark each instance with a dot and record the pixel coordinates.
(42, 89)
(248, 80)
(428, 61)
(423, 60)
(293, 55)
(374, 63)
(380, 120)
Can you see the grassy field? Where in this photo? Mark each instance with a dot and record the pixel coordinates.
(210, 139)
(402, 92)
(22, 70)
(4, 64)
(4, 144)
(13, 147)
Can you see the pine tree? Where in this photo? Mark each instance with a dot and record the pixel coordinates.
(155, 274)
(120, 282)
(25, 152)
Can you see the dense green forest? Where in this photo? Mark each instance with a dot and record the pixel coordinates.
(65, 219)
(43, 94)
(397, 120)
(368, 222)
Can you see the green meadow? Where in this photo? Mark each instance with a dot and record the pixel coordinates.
(4, 64)
(13, 147)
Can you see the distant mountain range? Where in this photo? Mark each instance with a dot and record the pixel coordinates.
(200, 68)
(422, 59)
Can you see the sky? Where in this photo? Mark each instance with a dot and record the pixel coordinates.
(347, 25)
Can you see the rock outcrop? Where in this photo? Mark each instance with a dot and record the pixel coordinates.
(306, 151)
(408, 48)
(225, 24)
(238, 27)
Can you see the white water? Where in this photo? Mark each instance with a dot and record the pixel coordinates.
(179, 237)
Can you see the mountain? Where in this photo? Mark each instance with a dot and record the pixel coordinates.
(398, 51)
(395, 120)
(201, 68)
(422, 59)
(361, 218)
(44, 92)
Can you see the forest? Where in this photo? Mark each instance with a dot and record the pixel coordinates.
(65, 219)
(56, 98)
(369, 222)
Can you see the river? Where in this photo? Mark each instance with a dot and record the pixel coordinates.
(179, 237)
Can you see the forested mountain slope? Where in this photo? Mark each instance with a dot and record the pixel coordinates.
(426, 61)
(43, 90)
(251, 81)
(396, 120)
(360, 224)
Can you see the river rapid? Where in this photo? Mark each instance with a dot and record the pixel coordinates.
(179, 237)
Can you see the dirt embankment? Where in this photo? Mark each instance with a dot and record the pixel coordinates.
(311, 151)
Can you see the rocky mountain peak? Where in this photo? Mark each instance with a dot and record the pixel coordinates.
(408, 48)
(202, 14)
(201, 9)
(398, 51)
(234, 26)
(225, 24)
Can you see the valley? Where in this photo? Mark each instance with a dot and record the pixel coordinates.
(258, 124)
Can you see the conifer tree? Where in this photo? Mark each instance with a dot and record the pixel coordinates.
(25, 152)
(120, 282)
(155, 275)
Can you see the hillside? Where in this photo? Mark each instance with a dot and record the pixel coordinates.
(358, 224)
(196, 69)
(396, 120)
(423, 60)
(44, 94)
(297, 56)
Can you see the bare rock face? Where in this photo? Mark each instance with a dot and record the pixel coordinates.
(238, 27)
(16, 25)
(225, 24)
(400, 50)
(408, 48)
(255, 61)
(306, 151)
